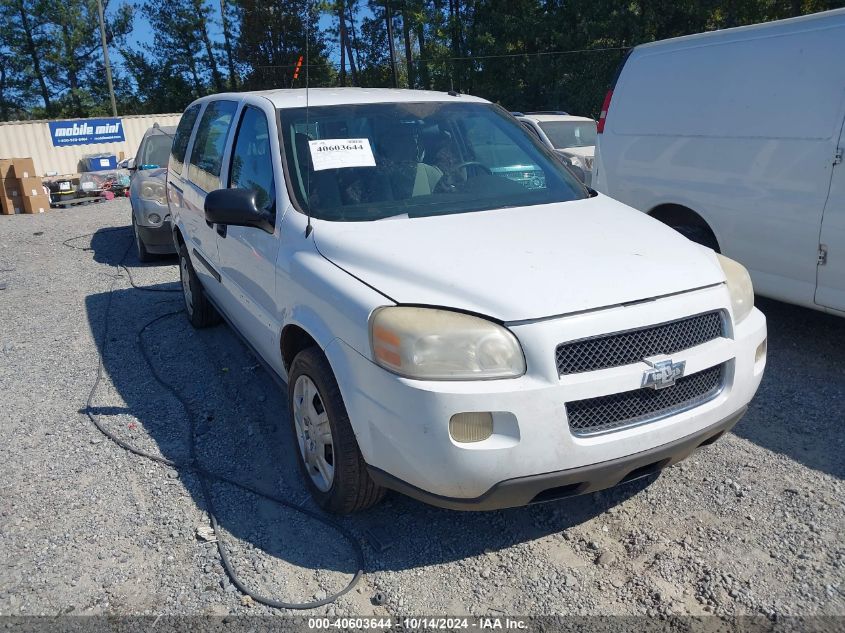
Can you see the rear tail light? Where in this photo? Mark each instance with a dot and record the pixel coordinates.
(604, 108)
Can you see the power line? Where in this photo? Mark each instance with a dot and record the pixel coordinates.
(417, 60)
(440, 60)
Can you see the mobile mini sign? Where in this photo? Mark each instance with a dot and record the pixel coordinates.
(86, 132)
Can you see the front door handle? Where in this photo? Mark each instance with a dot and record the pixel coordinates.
(221, 230)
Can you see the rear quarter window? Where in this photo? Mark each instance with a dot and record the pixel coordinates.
(209, 143)
(181, 138)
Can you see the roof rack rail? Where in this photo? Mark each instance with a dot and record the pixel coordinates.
(560, 112)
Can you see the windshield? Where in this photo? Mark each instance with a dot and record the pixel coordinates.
(373, 161)
(565, 134)
(157, 150)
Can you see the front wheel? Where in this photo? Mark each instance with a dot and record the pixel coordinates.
(144, 255)
(329, 457)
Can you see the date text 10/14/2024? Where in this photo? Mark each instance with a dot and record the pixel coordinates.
(419, 623)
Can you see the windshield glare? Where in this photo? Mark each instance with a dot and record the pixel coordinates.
(373, 161)
(565, 134)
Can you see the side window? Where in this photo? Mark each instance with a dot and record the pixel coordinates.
(207, 154)
(180, 140)
(252, 163)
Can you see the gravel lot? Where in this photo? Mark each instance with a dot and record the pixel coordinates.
(752, 525)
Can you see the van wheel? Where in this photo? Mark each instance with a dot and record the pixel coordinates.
(698, 234)
(144, 255)
(329, 457)
(200, 312)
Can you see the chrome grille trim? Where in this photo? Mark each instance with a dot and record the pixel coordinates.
(632, 346)
(614, 412)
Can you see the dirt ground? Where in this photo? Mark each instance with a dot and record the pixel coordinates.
(751, 525)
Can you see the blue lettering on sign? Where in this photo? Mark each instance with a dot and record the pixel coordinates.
(86, 131)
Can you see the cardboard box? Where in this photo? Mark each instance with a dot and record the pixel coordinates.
(5, 167)
(22, 168)
(30, 187)
(36, 204)
(11, 206)
(10, 188)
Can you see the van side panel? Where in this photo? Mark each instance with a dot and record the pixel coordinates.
(786, 86)
(831, 287)
(741, 127)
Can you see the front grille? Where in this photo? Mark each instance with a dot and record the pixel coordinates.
(630, 408)
(632, 346)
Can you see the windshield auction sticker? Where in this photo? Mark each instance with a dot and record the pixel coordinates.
(337, 153)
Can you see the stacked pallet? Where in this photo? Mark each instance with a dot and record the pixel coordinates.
(21, 191)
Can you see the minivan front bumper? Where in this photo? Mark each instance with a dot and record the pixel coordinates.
(522, 491)
(158, 239)
(402, 425)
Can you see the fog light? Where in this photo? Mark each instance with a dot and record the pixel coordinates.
(471, 427)
(761, 351)
(154, 218)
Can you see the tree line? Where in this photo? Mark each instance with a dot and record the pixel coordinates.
(523, 54)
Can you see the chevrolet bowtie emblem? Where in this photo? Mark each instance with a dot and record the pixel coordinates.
(662, 374)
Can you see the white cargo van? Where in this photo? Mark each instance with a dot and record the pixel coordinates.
(735, 138)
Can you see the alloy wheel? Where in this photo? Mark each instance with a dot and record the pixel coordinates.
(313, 433)
(185, 276)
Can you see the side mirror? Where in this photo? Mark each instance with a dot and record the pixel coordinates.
(236, 207)
(577, 171)
(130, 164)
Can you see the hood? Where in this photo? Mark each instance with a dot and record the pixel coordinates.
(521, 263)
(159, 173)
(588, 151)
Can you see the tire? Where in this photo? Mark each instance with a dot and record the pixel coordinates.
(201, 313)
(144, 255)
(351, 489)
(698, 234)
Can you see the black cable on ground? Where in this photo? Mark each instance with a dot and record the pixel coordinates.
(193, 465)
(137, 287)
(68, 241)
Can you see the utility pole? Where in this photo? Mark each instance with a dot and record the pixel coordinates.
(106, 57)
(233, 80)
(389, 17)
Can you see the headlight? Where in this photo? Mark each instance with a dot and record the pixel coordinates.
(431, 344)
(739, 286)
(152, 190)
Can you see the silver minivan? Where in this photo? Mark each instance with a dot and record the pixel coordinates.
(150, 214)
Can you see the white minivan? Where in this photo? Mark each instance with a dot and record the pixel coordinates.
(735, 138)
(445, 330)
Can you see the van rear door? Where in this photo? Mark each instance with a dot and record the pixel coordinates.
(203, 167)
(830, 290)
